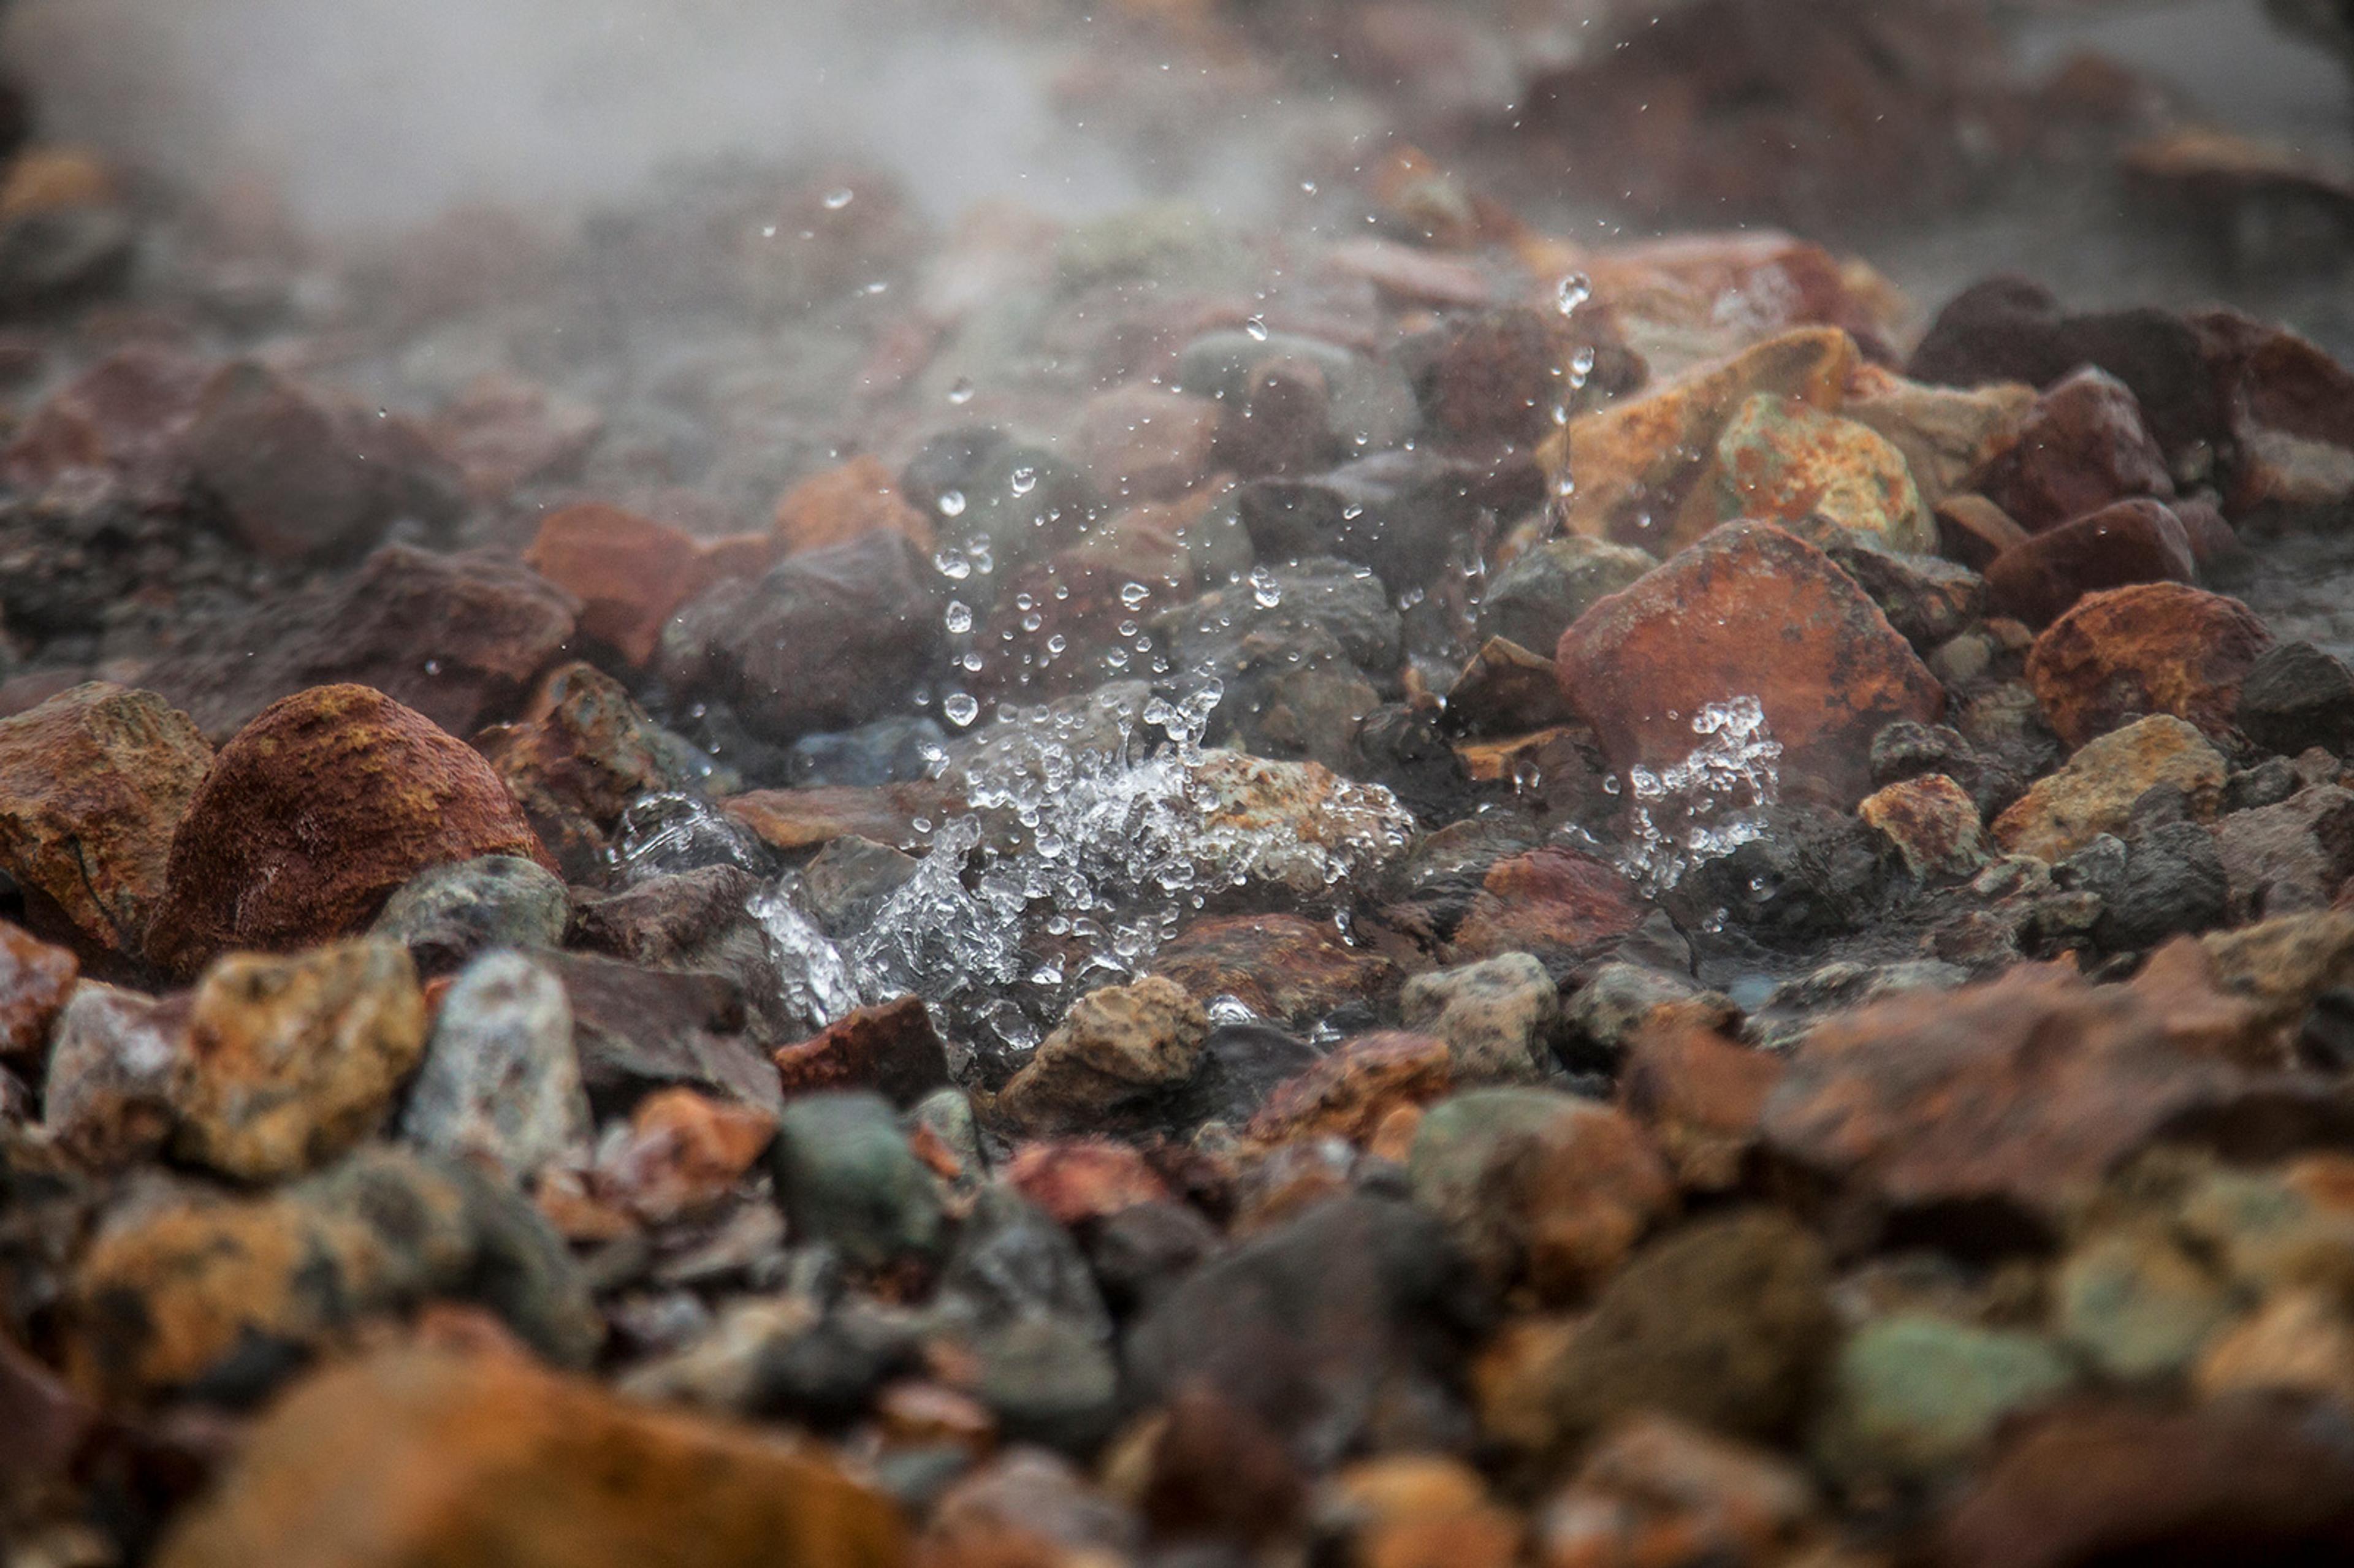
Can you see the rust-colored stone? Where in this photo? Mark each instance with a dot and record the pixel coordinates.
(1751, 611)
(793, 821)
(1559, 904)
(892, 1049)
(578, 757)
(684, 1151)
(35, 980)
(1701, 1096)
(628, 572)
(1282, 967)
(838, 505)
(1932, 823)
(2082, 448)
(1079, 1178)
(2132, 541)
(314, 815)
(2156, 648)
(416, 1456)
(1350, 1092)
(92, 784)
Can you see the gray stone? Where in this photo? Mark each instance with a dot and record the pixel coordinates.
(1537, 598)
(847, 1176)
(499, 1076)
(447, 913)
(1498, 1017)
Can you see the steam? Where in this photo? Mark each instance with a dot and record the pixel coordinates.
(376, 114)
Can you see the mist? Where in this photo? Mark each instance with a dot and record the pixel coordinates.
(375, 114)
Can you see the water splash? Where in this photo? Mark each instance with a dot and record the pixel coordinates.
(1709, 804)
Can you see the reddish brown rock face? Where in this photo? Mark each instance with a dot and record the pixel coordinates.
(892, 1049)
(314, 815)
(1558, 904)
(92, 783)
(838, 505)
(1350, 1093)
(1082, 1178)
(1280, 965)
(628, 572)
(429, 1456)
(2132, 541)
(1748, 612)
(1702, 1097)
(2084, 447)
(35, 980)
(2157, 648)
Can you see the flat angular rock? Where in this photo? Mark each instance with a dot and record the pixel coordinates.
(1749, 612)
(1282, 967)
(2158, 648)
(2082, 448)
(1119, 1046)
(892, 1049)
(628, 572)
(2130, 542)
(2094, 793)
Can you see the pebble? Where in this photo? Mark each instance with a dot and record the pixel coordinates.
(847, 1176)
(500, 1078)
(1913, 1396)
(2158, 648)
(1497, 1018)
(1118, 1047)
(2095, 792)
(447, 913)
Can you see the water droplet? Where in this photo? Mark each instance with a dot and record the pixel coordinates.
(837, 200)
(1266, 592)
(1307, 187)
(1133, 595)
(961, 393)
(433, 666)
(961, 708)
(1573, 292)
(1257, 327)
(767, 231)
(1026, 480)
(951, 503)
(877, 287)
(960, 616)
(952, 566)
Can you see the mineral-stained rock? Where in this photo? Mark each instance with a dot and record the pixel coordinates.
(228, 1295)
(1945, 434)
(2094, 793)
(1078, 1180)
(1654, 1489)
(681, 1152)
(1783, 462)
(2279, 965)
(838, 505)
(638, 1027)
(1350, 1092)
(628, 572)
(92, 784)
(798, 819)
(295, 1060)
(1701, 1096)
(2265, 1479)
(1933, 824)
(36, 981)
(1638, 464)
(1539, 1187)
(1913, 1396)
(128, 415)
(1342, 1324)
(2151, 649)
(1618, 1000)
(116, 1072)
(1498, 1017)
(2134, 1304)
(2294, 696)
(446, 913)
(845, 1175)
(2005, 1102)
(1559, 904)
(499, 1076)
(424, 1454)
(2083, 448)
(1749, 612)
(457, 638)
(1119, 1045)
(1282, 967)
(313, 814)
(2130, 542)
(893, 1049)
(298, 477)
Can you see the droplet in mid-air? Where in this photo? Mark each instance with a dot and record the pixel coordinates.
(961, 708)
(1257, 327)
(837, 200)
(1574, 291)
(1265, 590)
(961, 393)
(951, 503)
(960, 616)
(1026, 480)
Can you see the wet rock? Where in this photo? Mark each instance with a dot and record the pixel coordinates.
(1282, 967)
(1810, 873)
(2131, 542)
(2002, 1104)
(1146, 442)
(36, 981)
(1749, 612)
(417, 1454)
(1505, 373)
(1782, 462)
(1543, 591)
(1560, 905)
(580, 755)
(1080, 1181)
(1726, 1323)
(447, 913)
(1605, 1014)
(1119, 1046)
(457, 638)
(1539, 1188)
(295, 1060)
(1023, 504)
(1947, 435)
(2290, 444)
(1401, 513)
(1974, 531)
(2294, 696)
(846, 1176)
(1026, 1505)
(1932, 823)
(1326, 401)
(1242, 1065)
(892, 1049)
(628, 572)
(1638, 464)
(118, 1070)
(1929, 601)
(852, 878)
(839, 505)
(682, 1153)
(826, 640)
(1498, 1017)
(2293, 856)
(2279, 965)
(1655, 1489)
(2137, 1306)
(1913, 1396)
(301, 478)
(1344, 1326)
(1353, 1091)
(1017, 1287)
(314, 815)
(2173, 881)
(92, 784)
(2132, 651)
(2097, 1482)
(2083, 448)
(500, 1078)
(887, 751)
(1505, 690)
(1702, 1097)
(1908, 750)
(2094, 793)
(794, 821)
(637, 1027)
(222, 1298)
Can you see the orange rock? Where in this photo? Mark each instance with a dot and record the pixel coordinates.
(1280, 965)
(628, 572)
(1556, 904)
(684, 1151)
(48, 179)
(1418, 1512)
(796, 820)
(1079, 1178)
(1933, 824)
(1750, 611)
(1701, 1096)
(1656, 1491)
(893, 1049)
(35, 980)
(417, 1456)
(838, 505)
(310, 818)
(2154, 648)
(1148, 443)
(1350, 1092)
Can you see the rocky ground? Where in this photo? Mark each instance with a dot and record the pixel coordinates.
(768, 880)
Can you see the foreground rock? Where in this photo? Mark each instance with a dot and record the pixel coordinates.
(426, 1454)
(314, 815)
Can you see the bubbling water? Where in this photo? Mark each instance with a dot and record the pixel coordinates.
(1709, 804)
